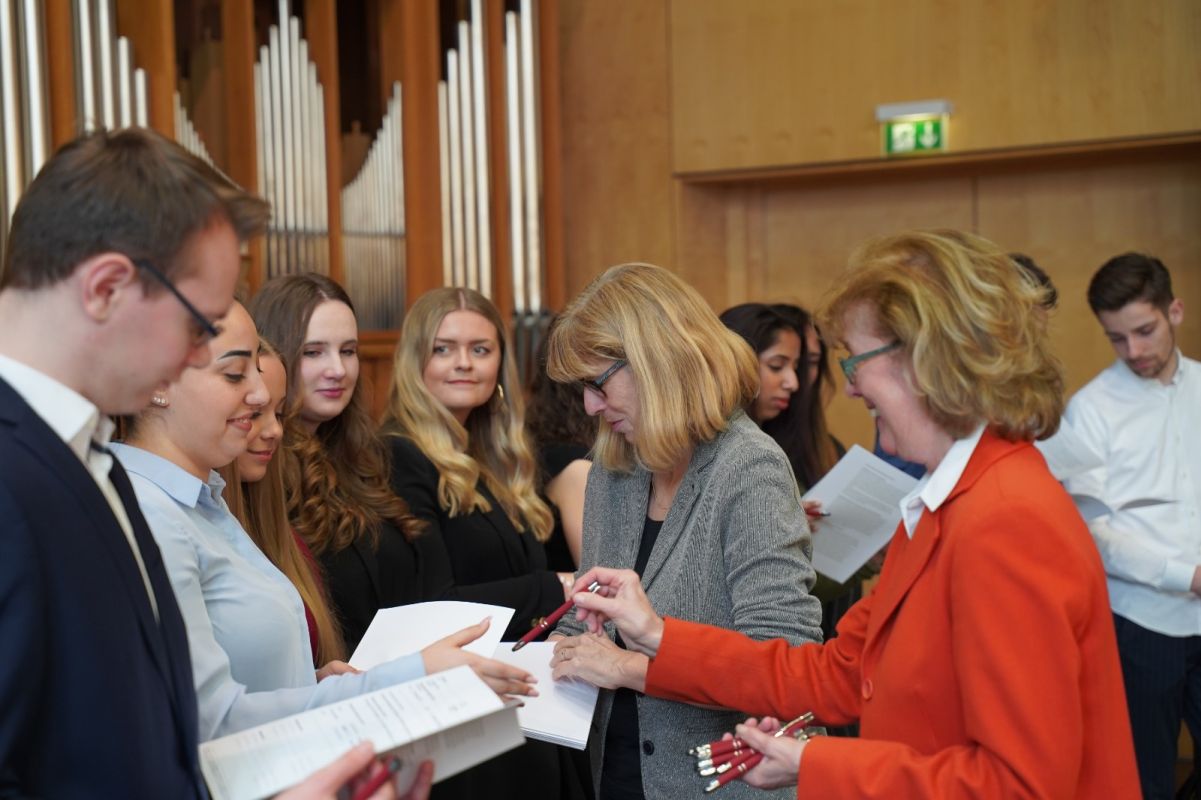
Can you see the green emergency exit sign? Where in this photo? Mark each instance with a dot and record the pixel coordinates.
(911, 136)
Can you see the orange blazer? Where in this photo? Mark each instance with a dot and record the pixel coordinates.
(983, 665)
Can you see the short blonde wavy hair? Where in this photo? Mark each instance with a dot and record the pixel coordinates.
(493, 445)
(691, 372)
(969, 320)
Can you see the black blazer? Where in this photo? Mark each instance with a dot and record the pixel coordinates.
(477, 557)
(96, 699)
(370, 574)
(483, 558)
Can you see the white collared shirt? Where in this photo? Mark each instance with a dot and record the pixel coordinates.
(935, 487)
(78, 422)
(1149, 435)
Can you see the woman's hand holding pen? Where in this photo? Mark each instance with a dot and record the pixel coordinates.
(504, 679)
(814, 513)
(781, 754)
(621, 600)
(595, 659)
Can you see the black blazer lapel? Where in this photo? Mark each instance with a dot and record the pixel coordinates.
(44, 445)
(172, 633)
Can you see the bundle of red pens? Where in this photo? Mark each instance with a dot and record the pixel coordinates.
(727, 759)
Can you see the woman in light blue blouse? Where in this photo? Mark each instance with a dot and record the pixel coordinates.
(247, 633)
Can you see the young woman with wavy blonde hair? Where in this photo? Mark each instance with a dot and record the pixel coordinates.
(467, 442)
(463, 464)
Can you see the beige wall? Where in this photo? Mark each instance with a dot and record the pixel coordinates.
(646, 82)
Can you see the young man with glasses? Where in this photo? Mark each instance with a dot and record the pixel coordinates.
(122, 253)
(1142, 415)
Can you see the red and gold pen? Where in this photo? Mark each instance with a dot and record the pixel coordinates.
(383, 776)
(737, 768)
(549, 620)
(711, 750)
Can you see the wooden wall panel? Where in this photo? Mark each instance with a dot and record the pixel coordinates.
(617, 192)
(1072, 220)
(779, 82)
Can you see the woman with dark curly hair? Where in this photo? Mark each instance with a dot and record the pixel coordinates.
(562, 434)
(335, 466)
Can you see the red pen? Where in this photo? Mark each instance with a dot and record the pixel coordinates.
(550, 620)
(713, 750)
(737, 768)
(372, 786)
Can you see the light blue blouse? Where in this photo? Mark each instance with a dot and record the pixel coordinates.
(251, 658)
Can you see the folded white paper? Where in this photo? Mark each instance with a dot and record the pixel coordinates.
(562, 711)
(451, 717)
(399, 631)
(1091, 507)
(862, 494)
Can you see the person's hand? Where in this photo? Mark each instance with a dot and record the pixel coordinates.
(355, 768)
(621, 600)
(336, 668)
(504, 679)
(594, 658)
(568, 581)
(1196, 586)
(813, 513)
(781, 755)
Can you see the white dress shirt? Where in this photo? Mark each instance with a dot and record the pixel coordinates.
(249, 641)
(935, 487)
(78, 422)
(1150, 436)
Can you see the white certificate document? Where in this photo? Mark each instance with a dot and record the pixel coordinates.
(862, 495)
(399, 631)
(450, 717)
(562, 711)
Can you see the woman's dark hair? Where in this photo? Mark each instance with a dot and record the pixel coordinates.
(337, 478)
(800, 429)
(555, 412)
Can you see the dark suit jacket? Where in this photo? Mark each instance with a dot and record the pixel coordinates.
(476, 557)
(96, 699)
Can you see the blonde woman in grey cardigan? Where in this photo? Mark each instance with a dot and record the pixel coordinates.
(691, 494)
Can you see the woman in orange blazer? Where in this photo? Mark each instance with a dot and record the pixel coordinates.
(985, 663)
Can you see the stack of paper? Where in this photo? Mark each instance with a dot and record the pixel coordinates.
(562, 711)
(862, 495)
(396, 632)
(452, 718)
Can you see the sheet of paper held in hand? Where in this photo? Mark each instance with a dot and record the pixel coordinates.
(562, 711)
(450, 717)
(862, 495)
(396, 632)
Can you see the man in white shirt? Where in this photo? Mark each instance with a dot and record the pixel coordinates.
(1142, 416)
(121, 254)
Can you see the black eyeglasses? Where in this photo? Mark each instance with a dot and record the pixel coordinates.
(203, 329)
(597, 384)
